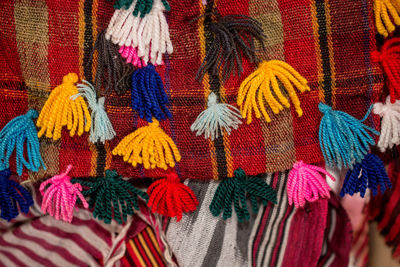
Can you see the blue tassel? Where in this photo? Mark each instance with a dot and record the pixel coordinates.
(368, 174)
(148, 96)
(13, 136)
(344, 140)
(12, 193)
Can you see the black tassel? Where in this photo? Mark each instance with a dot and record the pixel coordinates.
(233, 37)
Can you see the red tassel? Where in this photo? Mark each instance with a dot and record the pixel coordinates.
(389, 58)
(170, 197)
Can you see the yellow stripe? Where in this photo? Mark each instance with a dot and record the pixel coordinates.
(330, 47)
(153, 239)
(138, 256)
(146, 248)
(95, 7)
(206, 87)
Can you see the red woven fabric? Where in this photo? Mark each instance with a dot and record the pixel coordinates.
(328, 42)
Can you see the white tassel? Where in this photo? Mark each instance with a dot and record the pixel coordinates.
(216, 118)
(102, 128)
(390, 124)
(150, 35)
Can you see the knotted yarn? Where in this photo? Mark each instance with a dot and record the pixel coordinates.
(389, 59)
(305, 183)
(386, 16)
(261, 88)
(217, 118)
(232, 38)
(170, 197)
(142, 7)
(111, 197)
(19, 133)
(343, 139)
(62, 110)
(390, 123)
(368, 174)
(150, 146)
(150, 34)
(12, 195)
(148, 96)
(101, 128)
(234, 190)
(60, 197)
(131, 56)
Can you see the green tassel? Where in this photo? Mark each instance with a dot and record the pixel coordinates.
(125, 4)
(235, 190)
(144, 7)
(111, 195)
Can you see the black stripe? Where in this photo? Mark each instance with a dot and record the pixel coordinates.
(323, 43)
(215, 86)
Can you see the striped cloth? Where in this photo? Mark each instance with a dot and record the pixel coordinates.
(327, 41)
(278, 235)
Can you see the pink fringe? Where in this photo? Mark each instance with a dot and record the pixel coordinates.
(131, 56)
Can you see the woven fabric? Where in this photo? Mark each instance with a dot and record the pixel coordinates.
(327, 41)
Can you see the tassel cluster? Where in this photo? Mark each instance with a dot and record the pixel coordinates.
(148, 32)
(232, 38)
(368, 174)
(101, 127)
(305, 183)
(62, 110)
(111, 197)
(61, 195)
(150, 146)
(235, 191)
(131, 56)
(344, 140)
(386, 16)
(389, 59)
(170, 197)
(390, 124)
(20, 134)
(261, 88)
(12, 195)
(218, 117)
(148, 96)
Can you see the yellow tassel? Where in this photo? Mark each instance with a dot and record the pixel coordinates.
(150, 146)
(386, 15)
(63, 110)
(262, 85)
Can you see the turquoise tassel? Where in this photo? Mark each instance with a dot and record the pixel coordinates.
(235, 190)
(13, 136)
(101, 127)
(344, 140)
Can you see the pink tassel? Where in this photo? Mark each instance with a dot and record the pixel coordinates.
(60, 197)
(131, 56)
(305, 183)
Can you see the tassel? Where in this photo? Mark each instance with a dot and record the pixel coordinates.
(150, 35)
(234, 190)
(125, 4)
(390, 124)
(111, 195)
(60, 197)
(262, 85)
(150, 146)
(112, 72)
(216, 118)
(142, 7)
(232, 38)
(386, 16)
(19, 133)
(343, 138)
(102, 128)
(148, 96)
(170, 197)
(60, 110)
(305, 183)
(11, 194)
(368, 174)
(389, 58)
(131, 56)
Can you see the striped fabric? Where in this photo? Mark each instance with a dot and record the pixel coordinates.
(143, 250)
(43, 40)
(273, 237)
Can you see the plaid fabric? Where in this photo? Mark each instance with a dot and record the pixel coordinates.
(327, 41)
